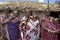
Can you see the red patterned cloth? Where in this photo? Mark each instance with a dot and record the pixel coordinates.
(51, 26)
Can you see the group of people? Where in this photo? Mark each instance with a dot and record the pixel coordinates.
(29, 27)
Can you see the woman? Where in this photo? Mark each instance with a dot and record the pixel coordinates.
(50, 28)
(13, 28)
(26, 29)
(3, 22)
(2, 18)
(24, 20)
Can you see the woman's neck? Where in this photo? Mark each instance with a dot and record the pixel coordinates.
(46, 16)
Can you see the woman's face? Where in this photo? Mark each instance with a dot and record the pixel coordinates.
(47, 14)
(15, 12)
(34, 19)
(27, 13)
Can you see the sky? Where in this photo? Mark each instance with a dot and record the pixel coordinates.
(51, 1)
(44, 1)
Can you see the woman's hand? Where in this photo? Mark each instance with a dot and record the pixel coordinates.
(49, 30)
(52, 31)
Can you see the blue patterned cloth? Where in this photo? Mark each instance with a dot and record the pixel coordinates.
(13, 30)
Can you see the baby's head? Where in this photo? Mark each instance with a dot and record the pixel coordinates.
(56, 20)
(52, 19)
(34, 17)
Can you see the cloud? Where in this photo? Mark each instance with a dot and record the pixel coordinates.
(41, 0)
